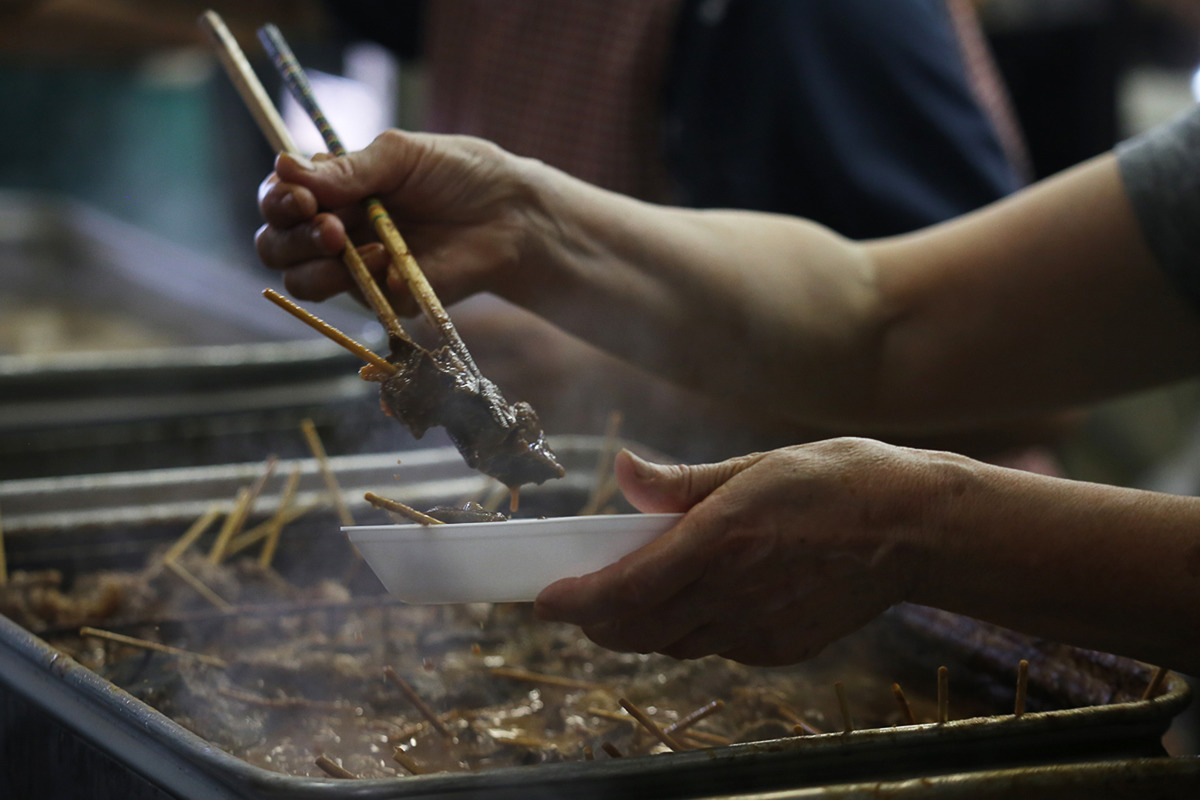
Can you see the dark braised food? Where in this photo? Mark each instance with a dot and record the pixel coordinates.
(469, 511)
(438, 387)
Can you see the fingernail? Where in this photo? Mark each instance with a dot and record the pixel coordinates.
(302, 162)
(642, 470)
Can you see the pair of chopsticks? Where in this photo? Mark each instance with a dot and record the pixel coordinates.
(403, 264)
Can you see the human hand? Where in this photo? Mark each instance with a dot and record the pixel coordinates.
(455, 199)
(779, 553)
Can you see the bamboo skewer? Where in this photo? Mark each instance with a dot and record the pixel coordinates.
(334, 769)
(604, 483)
(403, 264)
(318, 450)
(261, 531)
(550, 680)
(146, 644)
(1022, 686)
(273, 128)
(905, 709)
(417, 702)
(330, 332)
(650, 725)
(844, 705)
(1156, 683)
(233, 525)
(202, 588)
(189, 537)
(407, 512)
(682, 724)
(943, 691)
(800, 725)
(275, 524)
(612, 750)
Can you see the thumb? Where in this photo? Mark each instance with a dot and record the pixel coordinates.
(339, 181)
(658, 488)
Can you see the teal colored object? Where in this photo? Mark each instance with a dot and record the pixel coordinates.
(140, 150)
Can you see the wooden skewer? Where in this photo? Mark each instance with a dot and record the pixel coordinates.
(417, 702)
(241, 74)
(905, 709)
(189, 537)
(1022, 685)
(233, 525)
(550, 680)
(403, 264)
(277, 521)
(650, 725)
(318, 450)
(703, 738)
(285, 703)
(943, 690)
(405, 760)
(271, 124)
(330, 332)
(1156, 682)
(801, 726)
(146, 644)
(683, 723)
(612, 750)
(334, 769)
(407, 512)
(200, 586)
(260, 531)
(844, 705)
(602, 484)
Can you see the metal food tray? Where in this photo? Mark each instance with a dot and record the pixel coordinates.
(229, 371)
(64, 726)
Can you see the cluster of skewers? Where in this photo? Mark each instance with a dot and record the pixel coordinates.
(419, 387)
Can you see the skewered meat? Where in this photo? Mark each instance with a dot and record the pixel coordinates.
(437, 387)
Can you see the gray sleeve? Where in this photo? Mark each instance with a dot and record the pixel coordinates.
(1161, 172)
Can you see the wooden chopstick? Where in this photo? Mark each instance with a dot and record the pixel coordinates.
(271, 124)
(402, 259)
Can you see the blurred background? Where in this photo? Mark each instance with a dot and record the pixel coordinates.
(121, 127)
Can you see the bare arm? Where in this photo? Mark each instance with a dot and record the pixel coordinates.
(952, 326)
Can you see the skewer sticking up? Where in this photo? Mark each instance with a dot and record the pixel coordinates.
(3, 559)
(335, 490)
(905, 709)
(943, 690)
(1022, 686)
(844, 705)
(232, 526)
(403, 262)
(330, 332)
(651, 725)
(201, 588)
(411, 695)
(271, 124)
(279, 519)
(422, 388)
(146, 644)
(396, 506)
(334, 769)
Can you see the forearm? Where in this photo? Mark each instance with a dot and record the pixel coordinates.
(940, 330)
(737, 304)
(1102, 567)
